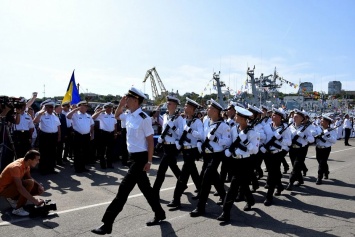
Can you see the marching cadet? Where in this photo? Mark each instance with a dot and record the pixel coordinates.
(225, 167)
(23, 129)
(193, 131)
(245, 143)
(173, 127)
(140, 144)
(217, 138)
(278, 138)
(301, 135)
(49, 136)
(83, 126)
(325, 138)
(259, 128)
(108, 133)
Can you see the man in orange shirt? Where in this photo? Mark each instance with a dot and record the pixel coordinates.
(16, 183)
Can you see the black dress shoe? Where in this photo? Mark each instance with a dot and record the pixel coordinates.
(102, 230)
(197, 212)
(268, 202)
(224, 217)
(289, 187)
(319, 181)
(215, 194)
(196, 191)
(220, 201)
(195, 197)
(239, 198)
(156, 220)
(326, 176)
(174, 204)
(247, 207)
(305, 173)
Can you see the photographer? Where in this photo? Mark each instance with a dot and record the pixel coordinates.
(16, 183)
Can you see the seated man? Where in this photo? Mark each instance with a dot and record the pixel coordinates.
(16, 183)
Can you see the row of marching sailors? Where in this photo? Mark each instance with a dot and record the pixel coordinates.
(241, 147)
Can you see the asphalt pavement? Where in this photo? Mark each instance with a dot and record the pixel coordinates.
(308, 210)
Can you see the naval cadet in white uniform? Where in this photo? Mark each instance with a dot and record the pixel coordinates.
(325, 138)
(245, 143)
(140, 144)
(217, 138)
(173, 127)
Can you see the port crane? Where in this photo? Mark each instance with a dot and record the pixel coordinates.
(154, 76)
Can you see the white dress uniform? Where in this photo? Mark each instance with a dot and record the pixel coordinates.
(22, 134)
(176, 128)
(49, 123)
(107, 121)
(82, 122)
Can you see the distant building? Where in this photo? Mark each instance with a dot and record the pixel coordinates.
(305, 87)
(334, 87)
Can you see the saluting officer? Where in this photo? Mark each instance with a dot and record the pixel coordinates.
(108, 133)
(49, 135)
(193, 131)
(173, 127)
(301, 135)
(83, 126)
(347, 129)
(325, 138)
(140, 144)
(23, 129)
(278, 138)
(217, 138)
(245, 143)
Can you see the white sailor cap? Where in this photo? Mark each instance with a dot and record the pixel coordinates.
(108, 104)
(97, 107)
(49, 103)
(243, 112)
(173, 99)
(214, 103)
(329, 119)
(230, 106)
(264, 107)
(65, 103)
(44, 102)
(254, 109)
(280, 112)
(83, 102)
(192, 103)
(303, 114)
(134, 92)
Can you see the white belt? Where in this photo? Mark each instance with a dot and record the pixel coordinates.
(169, 143)
(322, 147)
(240, 156)
(274, 151)
(207, 151)
(295, 146)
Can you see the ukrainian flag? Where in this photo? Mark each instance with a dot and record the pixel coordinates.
(72, 94)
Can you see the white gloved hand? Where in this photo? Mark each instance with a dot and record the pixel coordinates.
(227, 152)
(277, 135)
(187, 128)
(160, 140)
(326, 133)
(243, 137)
(263, 149)
(300, 134)
(171, 124)
(195, 134)
(210, 137)
(177, 145)
(199, 147)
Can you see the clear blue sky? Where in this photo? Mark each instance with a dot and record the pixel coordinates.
(111, 44)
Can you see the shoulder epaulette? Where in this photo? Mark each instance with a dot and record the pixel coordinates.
(143, 115)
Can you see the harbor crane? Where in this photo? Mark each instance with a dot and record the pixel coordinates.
(154, 76)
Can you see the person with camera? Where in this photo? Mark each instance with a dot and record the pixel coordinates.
(17, 185)
(108, 133)
(140, 144)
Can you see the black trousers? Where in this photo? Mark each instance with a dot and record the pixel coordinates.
(124, 151)
(274, 173)
(105, 148)
(188, 169)
(322, 155)
(47, 148)
(68, 141)
(226, 169)
(22, 142)
(258, 160)
(240, 182)
(211, 176)
(81, 147)
(135, 175)
(347, 135)
(168, 160)
(59, 153)
(297, 156)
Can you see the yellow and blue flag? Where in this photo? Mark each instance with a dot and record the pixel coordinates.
(72, 94)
